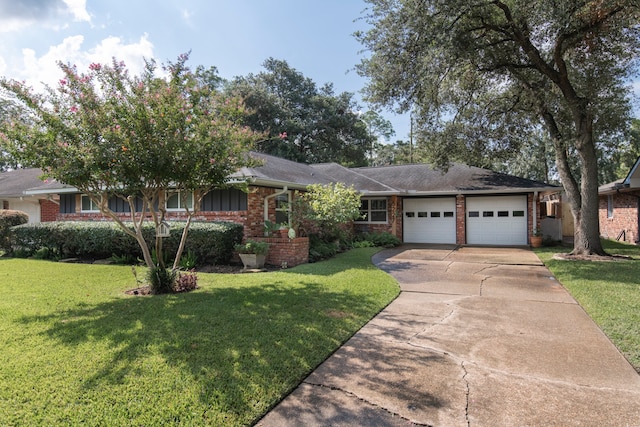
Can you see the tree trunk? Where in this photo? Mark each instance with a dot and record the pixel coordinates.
(586, 240)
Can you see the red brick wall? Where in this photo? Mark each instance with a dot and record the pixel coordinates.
(49, 210)
(530, 202)
(394, 220)
(461, 212)
(625, 217)
(282, 250)
(287, 252)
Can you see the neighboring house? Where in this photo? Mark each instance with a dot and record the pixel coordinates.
(13, 184)
(465, 205)
(619, 212)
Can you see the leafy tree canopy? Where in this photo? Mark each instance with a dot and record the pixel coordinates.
(110, 134)
(302, 122)
(485, 77)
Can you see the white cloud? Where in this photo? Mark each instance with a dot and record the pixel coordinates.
(44, 69)
(18, 15)
(79, 10)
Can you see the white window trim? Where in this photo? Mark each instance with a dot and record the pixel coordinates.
(610, 206)
(93, 205)
(288, 208)
(180, 208)
(386, 211)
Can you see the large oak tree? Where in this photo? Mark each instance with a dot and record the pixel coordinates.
(484, 75)
(303, 122)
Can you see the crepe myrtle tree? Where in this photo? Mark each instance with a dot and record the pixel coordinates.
(110, 134)
(327, 207)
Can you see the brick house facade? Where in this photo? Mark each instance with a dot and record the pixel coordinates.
(618, 216)
(619, 207)
(387, 194)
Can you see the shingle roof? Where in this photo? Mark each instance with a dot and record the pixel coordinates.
(352, 177)
(420, 178)
(275, 170)
(382, 180)
(630, 183)
(14, 183)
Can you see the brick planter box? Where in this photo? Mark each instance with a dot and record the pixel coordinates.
(284, 250)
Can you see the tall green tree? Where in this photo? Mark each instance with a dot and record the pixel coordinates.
(137, 138)
(628, 152)
(379, 129)
(302, 122)
(483, 75)
(6, 110)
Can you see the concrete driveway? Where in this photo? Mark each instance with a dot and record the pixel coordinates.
(477, 337)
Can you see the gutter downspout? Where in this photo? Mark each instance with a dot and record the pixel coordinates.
(271, 196)
(535, 212)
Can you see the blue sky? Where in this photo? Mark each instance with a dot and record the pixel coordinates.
(236, 36)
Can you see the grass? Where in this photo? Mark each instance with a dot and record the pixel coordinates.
(77, 350)
(608, 291)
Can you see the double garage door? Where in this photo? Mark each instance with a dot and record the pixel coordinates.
(490, 220)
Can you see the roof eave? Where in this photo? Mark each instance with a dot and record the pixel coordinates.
(47, 191)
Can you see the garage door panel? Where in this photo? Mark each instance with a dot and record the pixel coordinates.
(429, 220)
(497, 220)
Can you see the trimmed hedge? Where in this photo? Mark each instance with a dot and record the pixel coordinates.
(210, 242)
(10, 218)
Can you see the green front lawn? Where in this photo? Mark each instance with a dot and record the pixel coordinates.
(608, 291)
(77, 350)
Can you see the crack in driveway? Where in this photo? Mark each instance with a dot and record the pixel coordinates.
(368, 402)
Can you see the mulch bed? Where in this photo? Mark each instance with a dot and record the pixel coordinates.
(608, 258)
(220, 269)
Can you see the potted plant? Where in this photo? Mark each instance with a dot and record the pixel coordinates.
(536, 239)
(270, 228)
(283, 230)
(252, 253)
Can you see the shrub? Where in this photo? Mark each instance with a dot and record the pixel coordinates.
(383, 239)
(363, 244)
(161, 280)
(9, 219)
(209, 242)
(186, 282)
(46, 254)
(126, 259)
(320, 249)
(188, 260)
(252, 247)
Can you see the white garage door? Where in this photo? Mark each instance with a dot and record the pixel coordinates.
(430, 220)
(497, 220)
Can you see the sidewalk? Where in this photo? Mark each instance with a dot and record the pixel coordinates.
(478, 337)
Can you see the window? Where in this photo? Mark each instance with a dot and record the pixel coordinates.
(448, 214)
(610, 206)
(474, 214)
(487, 214)
(517, 213)
(410, 214)
(87, 205)
(435, 214)
(423, 214)
(175, 201)
(503, 213)
(282, 208)
(373, 210)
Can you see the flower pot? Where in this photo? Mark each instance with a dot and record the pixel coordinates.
(536, 241)
(253, 260)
